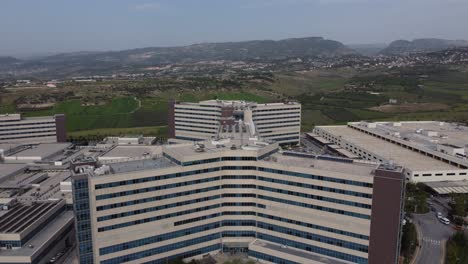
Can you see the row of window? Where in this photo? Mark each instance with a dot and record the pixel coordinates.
(279, 135)
(258, 110)
(276, 118)
(157, 239)
(178, 126)
(188, 120)
(272, 259)
(155, 198)
(157, 208)
(196, 131)
(275, 124)
(188, 138)
(215, 225)
(315, 207)
(225, 186)
(313, 226)
(315, 187)
(179, 112)
(314, 197)
(156, 188)
(28, 136)
(312, 248)
(162, 249)
(36, 131)
(277, 114)
(286, 139)
(28, 128)
(254, 168)
(263, 197)
(211, 110)
(441, 174)
(313, 237)
(7, 124)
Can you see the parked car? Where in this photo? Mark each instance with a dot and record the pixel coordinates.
(444, 221)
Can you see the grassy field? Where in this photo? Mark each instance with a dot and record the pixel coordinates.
(141, 107)
(157, 131)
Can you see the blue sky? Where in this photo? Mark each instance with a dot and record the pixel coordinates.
(50, 26)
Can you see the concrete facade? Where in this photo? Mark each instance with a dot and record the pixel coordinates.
(200, 199)
(421, 158)
(33, 130)
(279, 122)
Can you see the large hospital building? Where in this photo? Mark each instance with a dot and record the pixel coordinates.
(279, 122)
(48, 129)
(193, 199)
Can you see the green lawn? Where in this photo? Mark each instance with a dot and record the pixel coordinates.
(157, 131)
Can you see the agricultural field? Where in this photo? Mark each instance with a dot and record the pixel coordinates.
(334, 96)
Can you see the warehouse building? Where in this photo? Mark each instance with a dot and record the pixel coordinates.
(48, 129)
(35, 233)
(429, 151)
(201, 198)
(278, 122)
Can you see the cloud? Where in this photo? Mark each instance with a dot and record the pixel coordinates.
(148, 6)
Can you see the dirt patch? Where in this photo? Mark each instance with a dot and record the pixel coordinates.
(409, 107)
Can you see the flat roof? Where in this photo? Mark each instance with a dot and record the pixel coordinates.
(42, 238)
(402, 156)
(358, 169)
(132, 151)
(447, 187)
(8, 169)
(21, 216)
(8, 146)
(41, 150)
(139, 165)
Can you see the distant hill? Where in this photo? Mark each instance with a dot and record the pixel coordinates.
(368, 49)
(402, 47)
(263, 50)
(8, 60)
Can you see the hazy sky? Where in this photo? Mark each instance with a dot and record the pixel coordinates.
(50, 26)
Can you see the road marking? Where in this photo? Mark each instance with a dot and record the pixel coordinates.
(431, 241)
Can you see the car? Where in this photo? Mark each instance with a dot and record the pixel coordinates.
(439, 215)
(444, 221)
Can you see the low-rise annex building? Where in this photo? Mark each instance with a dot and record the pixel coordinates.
(429, 151)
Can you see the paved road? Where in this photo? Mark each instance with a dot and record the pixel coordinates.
(434, 234)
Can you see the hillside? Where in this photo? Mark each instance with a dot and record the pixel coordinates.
(259, 50)
(368, 49)
(403, 47)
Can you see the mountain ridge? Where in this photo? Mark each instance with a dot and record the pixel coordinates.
(404, 47)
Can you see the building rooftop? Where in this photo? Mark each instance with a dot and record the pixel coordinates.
(131, 151)
(327, 163)
(238, 103)
(139, 165)
(7, 170)
(22, 216)
(446, 133)
(447, 187)
(402, 156)
(46, 235)
(40, 151)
